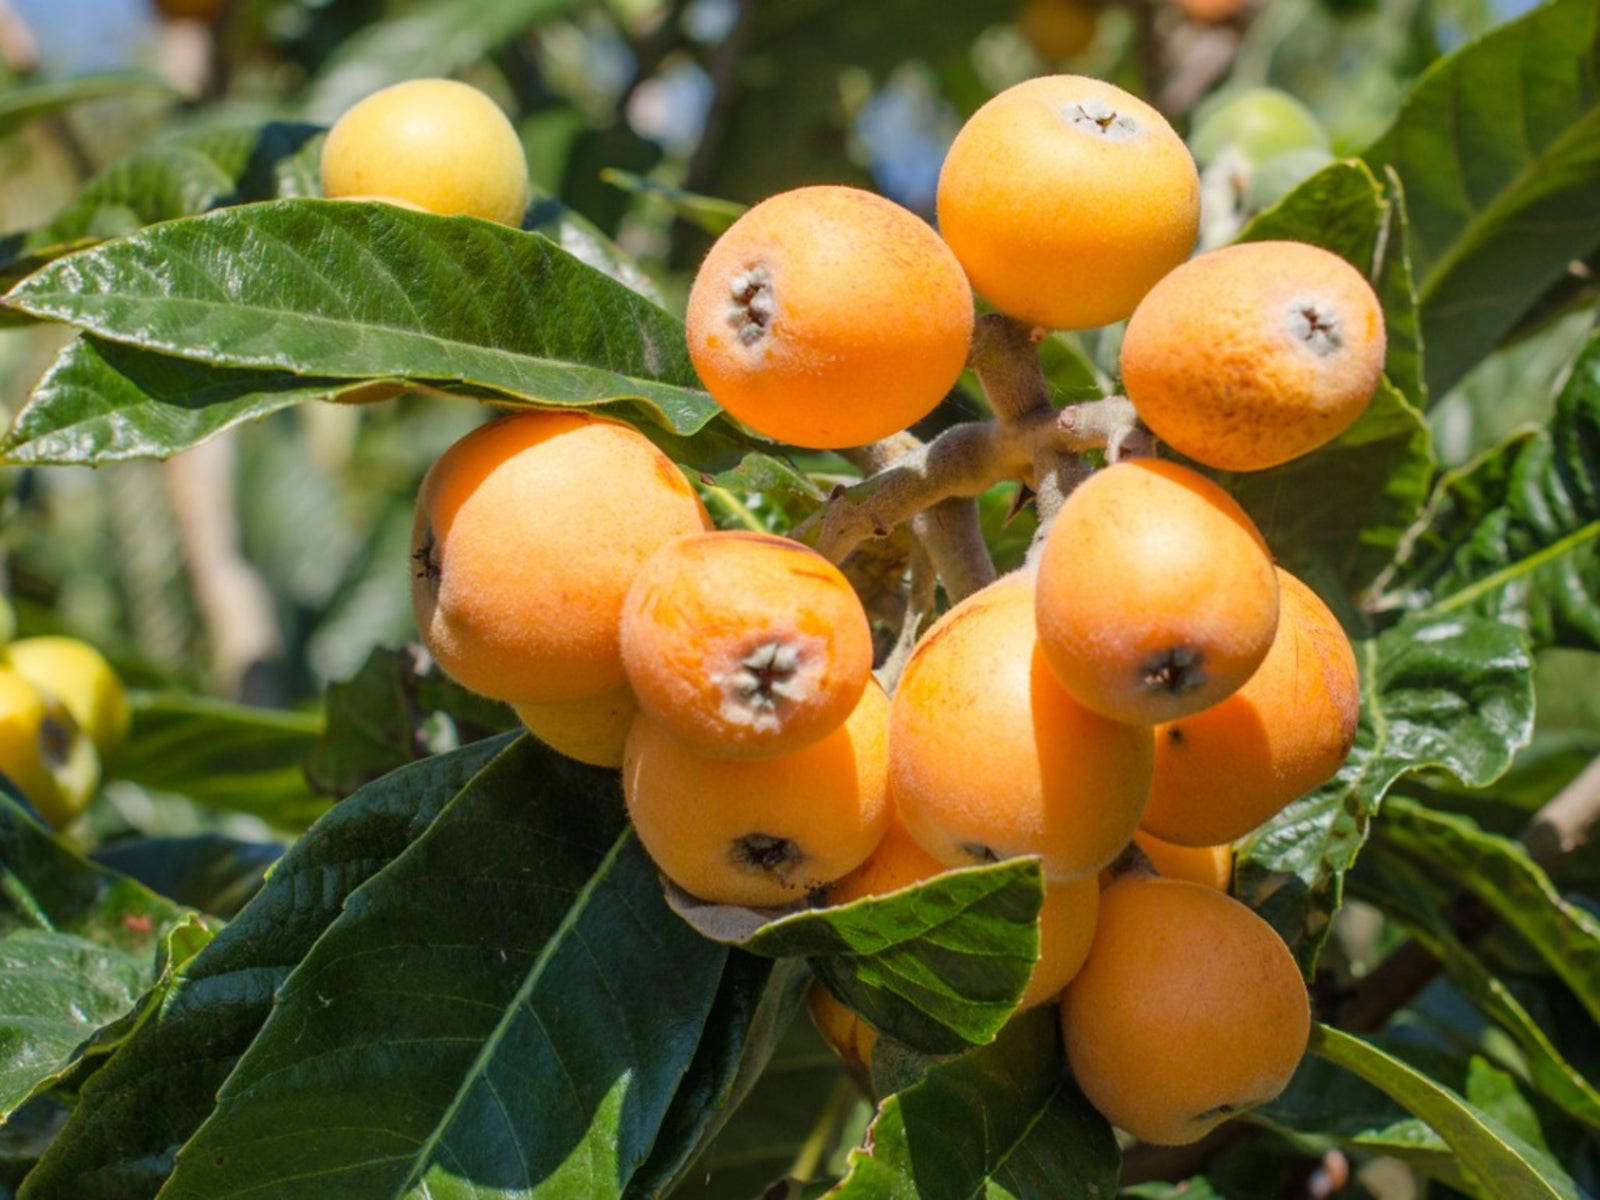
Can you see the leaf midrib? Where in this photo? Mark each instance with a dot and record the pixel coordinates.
(1515, 569)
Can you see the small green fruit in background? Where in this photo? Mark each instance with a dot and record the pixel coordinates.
(1257, 124)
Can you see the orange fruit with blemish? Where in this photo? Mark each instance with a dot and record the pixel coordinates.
(591, 729)
(1210, 865)
(843, 1028)
(764, 831)
(1066, 916)
(1254, 354)
(1066, 198)
(1189, 1009)
(528, 532)
(744, 645)
(990, 758)
(1156, 595)
(829, 317)
(1223, 771)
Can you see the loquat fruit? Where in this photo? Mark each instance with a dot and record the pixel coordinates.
(1210, 865)
(438, 144)
(829, 317)
(990, 758)
(744, 645)
(79, 676)
(591, 729)
(1066, 198)
(1188, 1010)
(1156, 596)
(1223, 771)
(1254, 354)
(528, 532)
(43, 752)
(767, 831)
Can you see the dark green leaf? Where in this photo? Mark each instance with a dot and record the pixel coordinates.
(1502, 1161)
(1398, 889)
(1515, 536)
(79, 945)
(24, 103)
(185, 174)
(580, 238)
(1499, 872)
(1335, 516)
(225, 756)
(371, 291)
(100, 402)
(433, 39)
(380, 720)
(1001, 1121)
(939, 966)
(156, 1090)
(1498, 147)
(535, 1001)
(208, 871)
(1449, 692)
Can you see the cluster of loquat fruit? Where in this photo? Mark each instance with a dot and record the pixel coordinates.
(63, 710)
(1151, 676)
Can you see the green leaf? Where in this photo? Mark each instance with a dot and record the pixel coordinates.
(1499, 872)
(938, 966)
(79, 946)
(208, 871)
(19, 105)
(706, 213)
(185, 174)
(382, 718)
(1000, 1121)
(371, 291)
(225, 756)
(1398, 888)
(431, 40)
(1334, 517)
(1451, 692)
(100, 402)
(155, 1091)
(1515, 536)
(1498, 147)
(535, 1002)
(1502, 1161)
(580, 238)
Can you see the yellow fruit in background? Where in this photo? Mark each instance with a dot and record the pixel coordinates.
(763, 831)
(439, 144)
(1066, 198)
(1156, 595)
(528, 533)
(744, 645)
(990, 758)
(1190, 1009)
(80, 677)
(1254, 354)
(1210, 865)
(842, 1028)
(592, 729)
(1057, 29)
(1223, 771)
(829, 317)
(44, 753)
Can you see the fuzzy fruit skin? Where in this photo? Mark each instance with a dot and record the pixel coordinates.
(868, 318)
(43, 752)
(441, 145)
(1156, 595)
(1188, 1003)
(1066, 917)
(1254, 354)
(827, 802)
(989, 758)
(1222, 772)
(592, 729)
(1057, 220)
(744, 645)
(1210, 865)
(80, 677)
(528, 532)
